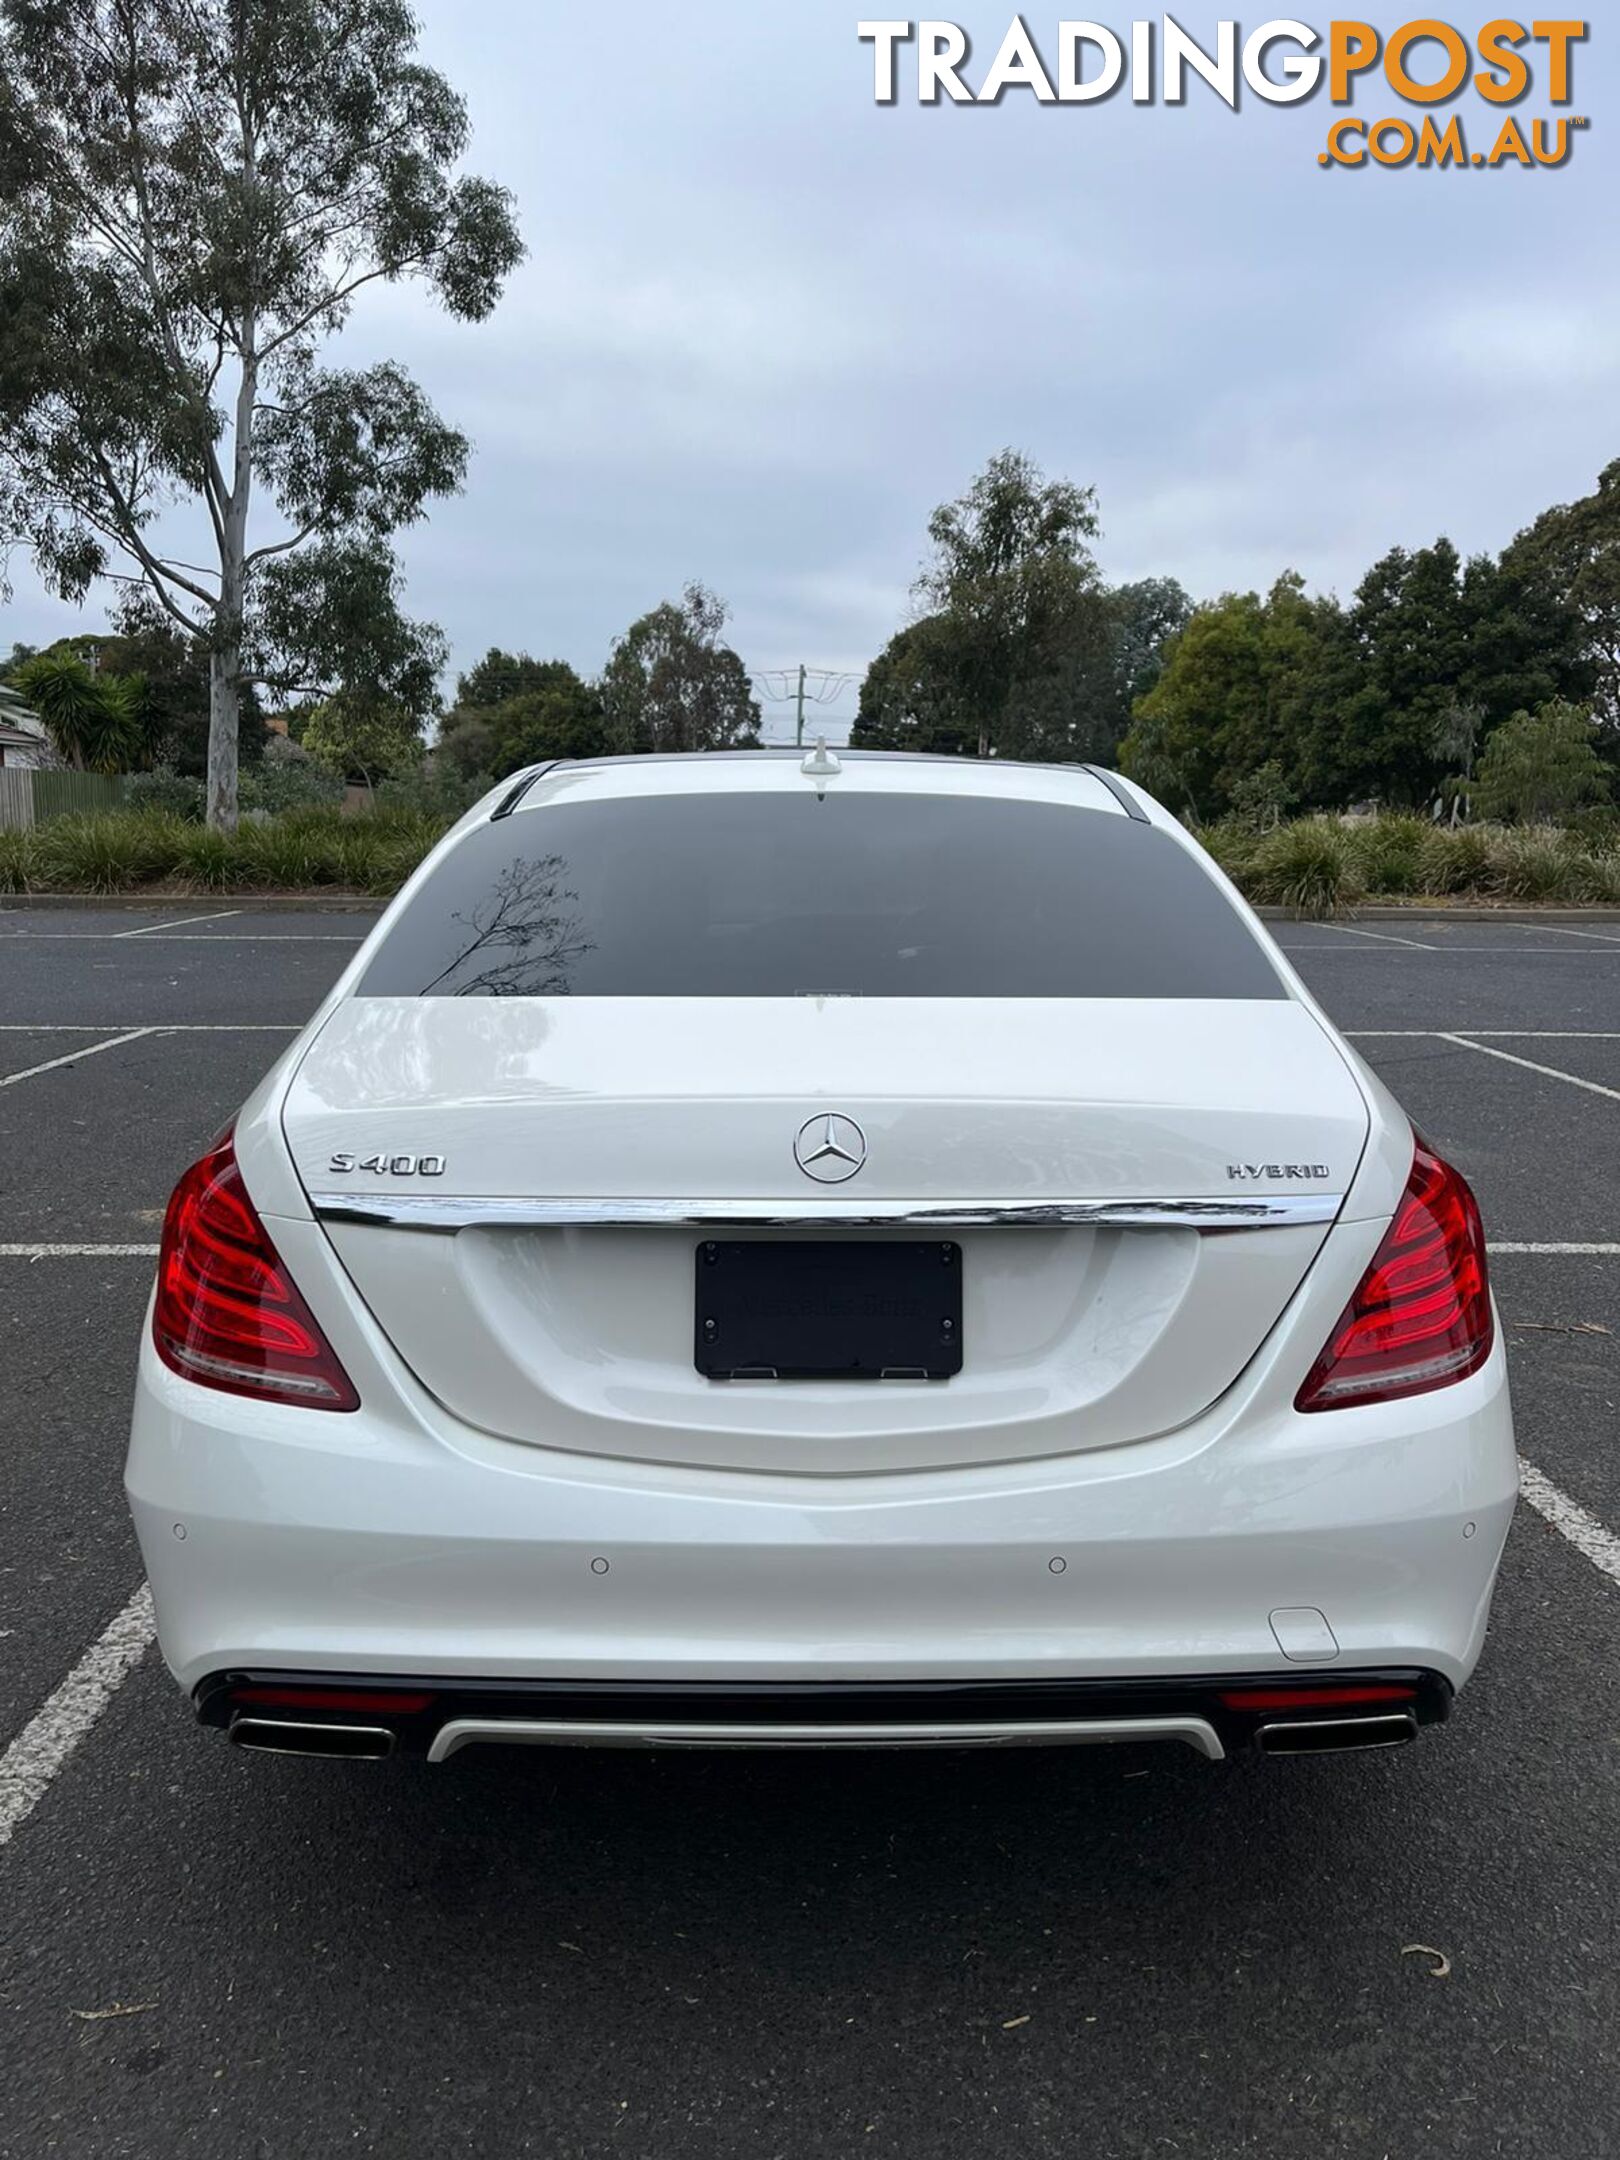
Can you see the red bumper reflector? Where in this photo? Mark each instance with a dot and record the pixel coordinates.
(375, 1704)
(1307, 1698)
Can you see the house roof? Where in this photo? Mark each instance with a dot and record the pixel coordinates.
(21, 718)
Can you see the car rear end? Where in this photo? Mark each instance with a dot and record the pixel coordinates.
(889, 1254)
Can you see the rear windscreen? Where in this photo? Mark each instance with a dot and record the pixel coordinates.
(760, 894)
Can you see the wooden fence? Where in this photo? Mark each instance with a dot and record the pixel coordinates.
(29, 797)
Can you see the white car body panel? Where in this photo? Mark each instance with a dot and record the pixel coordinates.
(581, 1337)
(540, 1484)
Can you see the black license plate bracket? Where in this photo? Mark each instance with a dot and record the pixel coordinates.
(829, 1309)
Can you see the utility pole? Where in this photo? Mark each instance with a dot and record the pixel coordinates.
(802, 686)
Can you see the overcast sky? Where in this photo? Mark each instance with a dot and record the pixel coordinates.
(765, 325)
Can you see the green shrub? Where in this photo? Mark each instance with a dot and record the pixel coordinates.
(1597, 828)
(288, 780)
(1315, 866)
(1232, 846)
(1456, 859)
(379, 851)
(1535, 863)
(207, 860)
(165, 789)
(1541, 766)
(1306, 866)
(435, 789)
(289, 853)
(16, 860)
(109, 851)
(1387, 853)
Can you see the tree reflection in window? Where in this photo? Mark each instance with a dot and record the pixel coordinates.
(523, 939)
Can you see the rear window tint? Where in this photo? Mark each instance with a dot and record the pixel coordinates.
(760, 894)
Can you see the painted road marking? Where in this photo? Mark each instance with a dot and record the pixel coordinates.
(152, 1027)
(63, 1720)
(1571, 1520)
(78, 1252)
(1482, 1034)
(1550, 1072)
(179, 922)
(1383, 937)
(32, 1072)
(1466, 952)
(1589, 1252)
(181, 937)
(1604, 937)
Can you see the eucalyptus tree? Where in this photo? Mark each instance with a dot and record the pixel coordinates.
(193, 193)
(671, 684)
(1014, 593)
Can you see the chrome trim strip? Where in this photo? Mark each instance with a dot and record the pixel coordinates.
(448, 1212)
(244, 1732)
(457, 1733)
(1392, 1729)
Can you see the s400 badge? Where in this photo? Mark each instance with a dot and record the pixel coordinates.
(389, 1165)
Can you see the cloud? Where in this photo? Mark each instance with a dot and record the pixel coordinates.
(766, 326)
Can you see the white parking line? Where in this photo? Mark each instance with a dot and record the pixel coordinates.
(32, 1072)
(179, 922)
(66, 1716)
(78, 1252)
(1550, 1072)
(181, 937)
(153, 1027)
(1482, 1034)
(1590, 1252)
(1571, 1520)
(1464, 952)
(1604, 937)
(1382, 937)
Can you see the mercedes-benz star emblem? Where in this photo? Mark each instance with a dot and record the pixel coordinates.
(830, 1148)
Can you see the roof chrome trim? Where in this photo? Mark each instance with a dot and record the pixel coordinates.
(514, 795)
(448, 1213)
(1127, 803)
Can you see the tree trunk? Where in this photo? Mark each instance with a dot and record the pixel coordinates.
(225, 657)
(224, 718)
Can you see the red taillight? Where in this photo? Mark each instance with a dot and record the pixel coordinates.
(1421, 1316)
(228, 1315)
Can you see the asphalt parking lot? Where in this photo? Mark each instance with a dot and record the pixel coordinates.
(1088, 1953)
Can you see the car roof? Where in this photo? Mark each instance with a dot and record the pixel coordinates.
(779, 770)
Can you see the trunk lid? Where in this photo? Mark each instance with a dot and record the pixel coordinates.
(580, 1335)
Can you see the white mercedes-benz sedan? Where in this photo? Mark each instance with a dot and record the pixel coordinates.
(766, 1250)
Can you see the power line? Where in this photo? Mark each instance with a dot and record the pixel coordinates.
(802, 685)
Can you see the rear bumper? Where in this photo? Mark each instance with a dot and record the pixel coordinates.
(435, 1717)
(393, 1541)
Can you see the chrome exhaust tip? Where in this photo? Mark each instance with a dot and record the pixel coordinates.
(285, 1736)
(1333, 1736)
